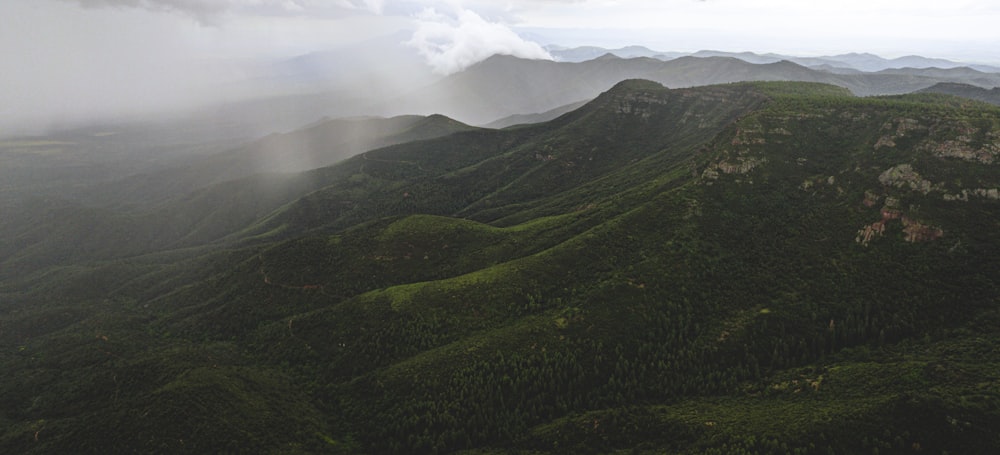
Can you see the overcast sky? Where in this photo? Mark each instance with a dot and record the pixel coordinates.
(66, 55)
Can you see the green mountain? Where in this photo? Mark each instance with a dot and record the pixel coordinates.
(504, 85)
(523, 119)
(210, 197)
(318, 145)
(744, 268)
(991, 96)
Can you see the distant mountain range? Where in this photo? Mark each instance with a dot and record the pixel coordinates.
(865, 62)
(503, 85)
(385, 78)
(349, 82)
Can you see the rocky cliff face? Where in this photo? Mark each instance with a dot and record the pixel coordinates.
(906, 162)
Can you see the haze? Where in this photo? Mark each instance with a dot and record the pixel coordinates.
(68, 61)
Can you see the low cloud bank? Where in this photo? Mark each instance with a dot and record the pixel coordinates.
(451, 44)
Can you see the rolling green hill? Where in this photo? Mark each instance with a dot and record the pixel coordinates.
(315, 146)
(209, 198)
(745, 268)
(973, 92)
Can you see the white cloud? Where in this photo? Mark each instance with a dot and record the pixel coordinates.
(375, 6)
(212, 12)
(204, 11)
(451, 44)
(84, 57)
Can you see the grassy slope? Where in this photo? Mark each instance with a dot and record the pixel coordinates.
(659, 270)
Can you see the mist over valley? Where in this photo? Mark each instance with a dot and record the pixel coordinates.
(473, 227)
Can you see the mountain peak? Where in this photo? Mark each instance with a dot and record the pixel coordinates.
(630, 85)
(439, 120)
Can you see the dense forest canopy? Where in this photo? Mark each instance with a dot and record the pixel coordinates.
(769, 267)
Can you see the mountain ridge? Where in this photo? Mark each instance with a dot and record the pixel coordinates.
(863, 61)
(991, 96)
(763, 267)
(527, 86)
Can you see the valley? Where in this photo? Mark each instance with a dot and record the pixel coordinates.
(745, 267)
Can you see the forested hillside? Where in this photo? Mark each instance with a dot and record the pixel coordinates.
(771, 267)
(991, 96)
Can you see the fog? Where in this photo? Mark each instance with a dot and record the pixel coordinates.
(451, 45)
(73, 62)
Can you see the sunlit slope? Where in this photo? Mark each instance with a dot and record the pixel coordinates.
(762, 268)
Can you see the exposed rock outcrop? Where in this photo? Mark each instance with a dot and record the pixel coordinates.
(959, 139)
(986, 193)
(914, 231)
(896, 129)
(904, 176)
